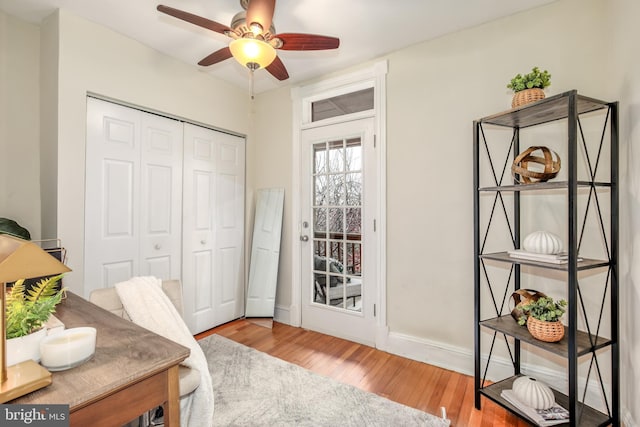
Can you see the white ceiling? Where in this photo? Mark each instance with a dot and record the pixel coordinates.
(367, 28)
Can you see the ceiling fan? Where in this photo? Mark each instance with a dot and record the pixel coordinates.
(254, 37)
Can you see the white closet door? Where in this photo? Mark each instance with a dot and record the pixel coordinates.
(161, 192)
(213, 227)
(228, 296)
(132, 202)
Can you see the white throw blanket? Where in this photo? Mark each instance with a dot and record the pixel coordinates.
(148, 306)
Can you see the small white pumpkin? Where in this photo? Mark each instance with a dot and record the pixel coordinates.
(533, 393)
(542, 242)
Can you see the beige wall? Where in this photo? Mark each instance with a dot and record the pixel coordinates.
(269, 165)
(19, 123)
(624, 82)
(434, 92)
(49, 71)
(97, 60)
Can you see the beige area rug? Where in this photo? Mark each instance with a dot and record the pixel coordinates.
(254, 389)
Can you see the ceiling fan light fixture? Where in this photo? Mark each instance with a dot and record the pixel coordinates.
(252, 53)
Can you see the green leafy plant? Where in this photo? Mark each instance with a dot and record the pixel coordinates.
(545, 309)
(12, 228)
(534, 79)
(28, 310)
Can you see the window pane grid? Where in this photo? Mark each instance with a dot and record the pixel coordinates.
(337, 223)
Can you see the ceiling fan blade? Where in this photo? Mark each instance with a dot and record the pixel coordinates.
(215, 57)
(295, 41)
(277, 69)
(261, 11)
(194, 19)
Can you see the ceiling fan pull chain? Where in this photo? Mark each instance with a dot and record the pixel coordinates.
(251, 83)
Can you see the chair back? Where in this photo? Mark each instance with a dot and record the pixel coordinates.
(108, 298)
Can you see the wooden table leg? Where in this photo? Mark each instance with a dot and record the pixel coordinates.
(171, 407)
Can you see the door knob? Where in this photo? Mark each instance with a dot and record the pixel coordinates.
(157, 246)
(304, 238)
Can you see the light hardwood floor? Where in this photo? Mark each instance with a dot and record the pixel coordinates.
(406, 381)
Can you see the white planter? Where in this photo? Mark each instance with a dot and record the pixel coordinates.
(25, 348)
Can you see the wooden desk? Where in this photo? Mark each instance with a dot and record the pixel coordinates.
(133, 370)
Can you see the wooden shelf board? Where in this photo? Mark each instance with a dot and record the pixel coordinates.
(539, 186)
(585, 264)
(544, 111)
(590, 416)
(508, 326)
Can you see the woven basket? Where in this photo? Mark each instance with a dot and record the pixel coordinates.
(545, 331)
(549, 160)
(526, 96)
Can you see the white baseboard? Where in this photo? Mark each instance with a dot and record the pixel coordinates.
(282, 314)
(431, 352)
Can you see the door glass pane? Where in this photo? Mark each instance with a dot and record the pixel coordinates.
(353, 223)
(336, 222)
(353, 155)
(319, 158)
(336, 194)
(337, 225)
(353, 191)
(320, 223)
(336, 156)
(320, 191)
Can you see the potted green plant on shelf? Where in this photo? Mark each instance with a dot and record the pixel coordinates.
(542, 318)
(529, 87)
(26, 313)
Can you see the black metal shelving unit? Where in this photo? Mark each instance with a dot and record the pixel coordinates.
(577, 344)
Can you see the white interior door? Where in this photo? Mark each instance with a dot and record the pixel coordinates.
(213, 227)
(338, 248)
(265, 253)
(132, 202)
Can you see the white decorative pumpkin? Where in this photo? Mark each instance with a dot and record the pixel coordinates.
(542, 242)
(533, 393)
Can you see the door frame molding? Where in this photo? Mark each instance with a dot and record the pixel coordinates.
(302, 96)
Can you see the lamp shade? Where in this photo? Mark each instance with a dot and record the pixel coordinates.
(21, 259)
(252, 53)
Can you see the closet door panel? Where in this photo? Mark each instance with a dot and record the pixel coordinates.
(213, 223)
(112, 194)
(197, 225)
(230, 300)
(202, 276)
(161, 208)
(133, 195)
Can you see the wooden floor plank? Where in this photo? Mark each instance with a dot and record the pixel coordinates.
(409, 382)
